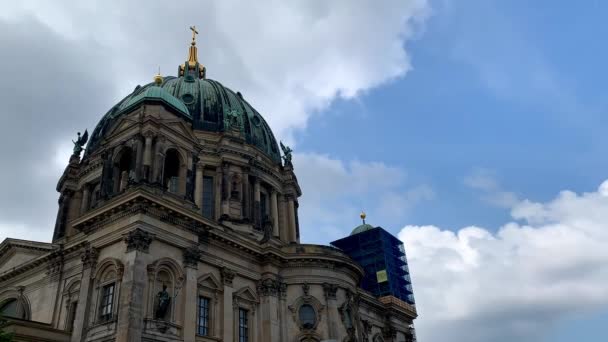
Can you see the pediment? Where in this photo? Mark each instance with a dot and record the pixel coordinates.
(247, 294)
(178, 126)
(14, 253)
(209, 281)
(123, 124)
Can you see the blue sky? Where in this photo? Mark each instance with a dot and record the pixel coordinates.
(477, 98)
(458, 126)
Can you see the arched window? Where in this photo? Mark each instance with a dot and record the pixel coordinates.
(171, 171)
(308, 316)
(123, 169)
(9, 308)
(15, 307)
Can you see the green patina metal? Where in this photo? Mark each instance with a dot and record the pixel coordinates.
(362, 228)
(206, 103)
(155, 94)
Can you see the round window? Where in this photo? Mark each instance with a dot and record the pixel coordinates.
(187, 98)
(308, 316)
(256, 121)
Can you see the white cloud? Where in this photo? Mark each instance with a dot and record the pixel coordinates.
(475, 285)
(334, 192)
(66, 63)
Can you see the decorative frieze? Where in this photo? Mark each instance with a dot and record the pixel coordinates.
(138, 240)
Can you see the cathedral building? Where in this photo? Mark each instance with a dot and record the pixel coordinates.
(179, 222)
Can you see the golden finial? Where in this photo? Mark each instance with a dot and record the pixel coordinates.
(193, 54)
(363, 216)
(158, 79)
(194, 33)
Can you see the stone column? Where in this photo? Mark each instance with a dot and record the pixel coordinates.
(332, 310)
(225, 190)
(89, 259)
(274, 208)
(131, 303)
(86, 197)
(228, 310)
(291, 219)
(282, 292)
(191, 257)
(246, 196)
(147, 157)
(139, 168)
(218, 192)
(257, 215)
(268, 290)
(198, 187)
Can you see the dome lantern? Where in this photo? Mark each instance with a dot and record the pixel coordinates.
(192, 68)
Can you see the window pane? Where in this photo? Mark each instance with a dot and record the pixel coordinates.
(208, 200)
(203, 316)
(308, 317)
(243, 326)
(9, 308)
(107, 301)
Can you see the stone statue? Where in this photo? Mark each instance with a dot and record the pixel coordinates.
(164, 299)
(287, 154)
(79, 143)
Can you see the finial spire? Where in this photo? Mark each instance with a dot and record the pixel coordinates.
(158, 79)
(192, 66)
(362, 216)
(193, 55)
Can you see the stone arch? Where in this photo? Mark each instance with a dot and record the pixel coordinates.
(174, 170)
(164, 272)
(71, 293)
(308, 337)
(17, 299)
(123, 164)
(378, 338)
(107, 286)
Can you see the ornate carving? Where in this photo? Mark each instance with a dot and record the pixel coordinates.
(227, 276)
(89, 256)
(54, 266)
(268, 287)
(138, 240)
(282, 290)
(306, 289)
(330, 290)
(191, 257)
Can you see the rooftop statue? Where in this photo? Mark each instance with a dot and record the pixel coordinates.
(287, 154)
(80, 142)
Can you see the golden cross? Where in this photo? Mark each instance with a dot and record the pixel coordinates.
(194, 33)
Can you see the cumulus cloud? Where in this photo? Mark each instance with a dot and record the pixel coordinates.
(335, 191)
(64, 64)
(516, 283)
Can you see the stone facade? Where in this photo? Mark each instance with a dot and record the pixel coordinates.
(136, 226)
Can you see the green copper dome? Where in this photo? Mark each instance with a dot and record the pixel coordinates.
(362, 228)
(206, 103)
(152, 94)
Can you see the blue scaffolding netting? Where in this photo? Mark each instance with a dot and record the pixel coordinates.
(383, 258)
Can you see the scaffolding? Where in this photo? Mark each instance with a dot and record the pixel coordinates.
(383, 258)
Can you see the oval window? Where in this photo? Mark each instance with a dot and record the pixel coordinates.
(308, 317)
(187, 98)
(256, 121)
